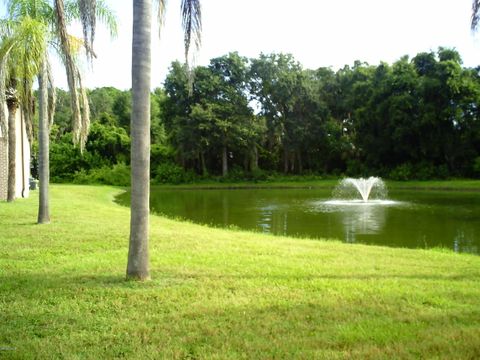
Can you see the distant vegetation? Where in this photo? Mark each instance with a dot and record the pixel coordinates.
(250, 118)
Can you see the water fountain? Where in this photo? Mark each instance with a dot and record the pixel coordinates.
(364, 187)
(360, 191)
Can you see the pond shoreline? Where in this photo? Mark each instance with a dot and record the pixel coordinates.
(447, 185)
(416, 217)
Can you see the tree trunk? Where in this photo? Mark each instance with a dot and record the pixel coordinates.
(254, 158)
(12, 149)
(285, 160)
(43, 148)
(300, 162)
(292, 162)
(203, 164)
(138, 259)
(224, 161)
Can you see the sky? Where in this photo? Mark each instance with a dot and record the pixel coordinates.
(318, 33)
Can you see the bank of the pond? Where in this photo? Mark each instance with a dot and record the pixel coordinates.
(221, 293)
(301, 183)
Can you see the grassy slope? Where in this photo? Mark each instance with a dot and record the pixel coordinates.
(219, 293)
(462, 184)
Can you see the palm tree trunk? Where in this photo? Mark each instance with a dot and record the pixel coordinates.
(12, 149)
(43, 148)
(138, 267)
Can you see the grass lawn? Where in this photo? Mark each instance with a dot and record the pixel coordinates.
(221, 294)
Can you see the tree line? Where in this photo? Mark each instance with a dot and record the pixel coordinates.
(417, 118)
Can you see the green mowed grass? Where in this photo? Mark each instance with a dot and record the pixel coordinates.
(221, 294)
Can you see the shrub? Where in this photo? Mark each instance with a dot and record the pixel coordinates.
(421, 171)
(257, 175)
(117, 175)
(169, 173)
(160, 154)
(356, 168)
(476, 166)
(402, 172)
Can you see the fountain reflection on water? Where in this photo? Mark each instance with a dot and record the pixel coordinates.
(360, 204)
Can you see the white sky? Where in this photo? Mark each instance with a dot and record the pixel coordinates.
(317, 32)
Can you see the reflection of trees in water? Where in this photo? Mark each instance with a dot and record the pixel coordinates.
(361, 220)
(273, 220)
(464, 240)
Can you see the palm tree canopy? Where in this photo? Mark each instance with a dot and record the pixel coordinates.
(22, 50)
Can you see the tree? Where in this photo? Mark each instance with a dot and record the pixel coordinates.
(212, 126)
(87, 11)
(54, 22)
(138, 258)
(21, 50)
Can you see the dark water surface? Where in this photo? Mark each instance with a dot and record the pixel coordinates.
(414, 218)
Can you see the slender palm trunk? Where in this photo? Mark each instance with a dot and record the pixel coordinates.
(43, 148)
(12, 149)
(138, 267)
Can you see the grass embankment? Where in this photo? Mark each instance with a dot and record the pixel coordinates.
(300, 182)
(221, 293)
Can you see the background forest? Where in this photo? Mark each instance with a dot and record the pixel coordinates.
(254, 119)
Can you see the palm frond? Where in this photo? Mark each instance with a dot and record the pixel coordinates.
(161, 11)
(475, 14)
(191, 13)
(85, 109)
(6, 26)
(21, 54)
(106, 17)
(52, 92)
(36, 9)
(27, 105)
(3, 117)
(88, 19)
(70, 69)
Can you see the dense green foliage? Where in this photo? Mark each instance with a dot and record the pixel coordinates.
(247, 119)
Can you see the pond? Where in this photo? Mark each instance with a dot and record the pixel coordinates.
(412, 219)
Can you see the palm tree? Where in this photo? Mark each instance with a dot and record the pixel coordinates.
(20, 53)
(56, 20)
(12, 105)
(138, 258)
(87, 11)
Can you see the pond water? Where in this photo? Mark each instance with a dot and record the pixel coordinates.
(413, 218)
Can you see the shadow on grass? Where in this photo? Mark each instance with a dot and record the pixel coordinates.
(33, 285)
(108, 317)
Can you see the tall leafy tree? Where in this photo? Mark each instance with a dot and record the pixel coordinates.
(138, 258)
